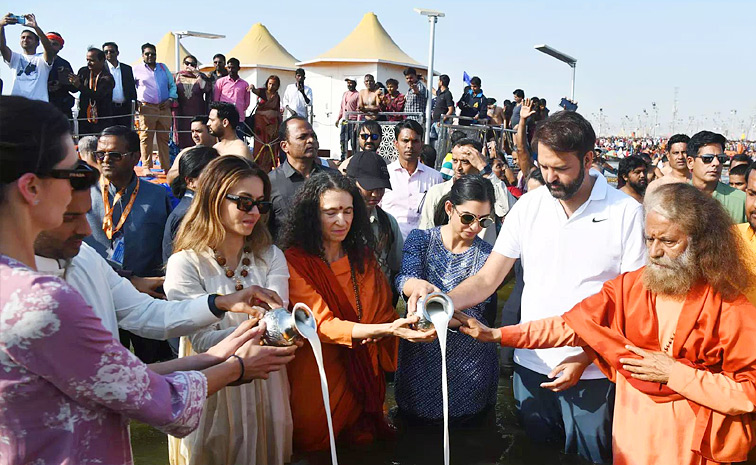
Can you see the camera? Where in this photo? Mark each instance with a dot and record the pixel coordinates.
(20, 19)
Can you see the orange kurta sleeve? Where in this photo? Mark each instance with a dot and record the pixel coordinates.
(716, 391)
(540, 334)
(332, 330)
(386, 350)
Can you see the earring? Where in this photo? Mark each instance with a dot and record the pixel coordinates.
(36, 202)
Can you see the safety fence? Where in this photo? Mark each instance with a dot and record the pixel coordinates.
(387, 149)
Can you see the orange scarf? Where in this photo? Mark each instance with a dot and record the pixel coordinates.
(712, 334)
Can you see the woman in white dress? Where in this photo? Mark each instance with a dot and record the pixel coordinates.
(224, 245)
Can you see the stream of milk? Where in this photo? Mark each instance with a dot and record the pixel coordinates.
(311, 334)
(440, 320)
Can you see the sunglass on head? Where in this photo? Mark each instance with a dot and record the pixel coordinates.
(710, 158)
(81, 178)
(246, 204)
(370, 136)
(113, 156)
(468, 218)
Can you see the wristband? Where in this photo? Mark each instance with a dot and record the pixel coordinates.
(241, 364)
(214, 308)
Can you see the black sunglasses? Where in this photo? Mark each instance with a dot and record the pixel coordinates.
(113, 156)
(710, 158)
(246, 204)
(190, 63)
(81, 178)
(370, 136)
(468, 218)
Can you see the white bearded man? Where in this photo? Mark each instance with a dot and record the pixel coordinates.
(676, 336)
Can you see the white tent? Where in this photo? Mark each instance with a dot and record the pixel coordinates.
(368, 49)
(261, 55)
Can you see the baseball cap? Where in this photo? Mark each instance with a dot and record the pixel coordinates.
(350, 79)
(370, 170)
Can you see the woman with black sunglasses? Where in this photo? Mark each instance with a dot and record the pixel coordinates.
(439, 259)
(223, 245)
(67, 388)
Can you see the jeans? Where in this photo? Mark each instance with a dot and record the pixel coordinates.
(581, 416)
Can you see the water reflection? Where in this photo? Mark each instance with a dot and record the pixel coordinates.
(499, 440)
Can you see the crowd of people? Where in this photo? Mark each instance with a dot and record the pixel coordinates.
(632, 312)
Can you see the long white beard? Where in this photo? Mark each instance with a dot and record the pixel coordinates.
(671, 276)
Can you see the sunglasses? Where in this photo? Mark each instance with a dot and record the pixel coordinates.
(113, 156)
(81, 178)
(190, 63)
(468, 219)
(370, 136)
(246, 204)
(149, 54)
(710, 158)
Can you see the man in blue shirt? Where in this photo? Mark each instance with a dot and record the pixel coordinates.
(473, 104)
(127, 220)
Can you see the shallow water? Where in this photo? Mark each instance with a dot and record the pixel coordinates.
(502, 442)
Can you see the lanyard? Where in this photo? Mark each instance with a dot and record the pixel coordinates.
(107, 220)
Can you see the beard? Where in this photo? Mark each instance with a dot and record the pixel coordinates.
(671, 276)
(639, 187)
(566, 191)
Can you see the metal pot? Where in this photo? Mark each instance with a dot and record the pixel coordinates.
(432, 302)
(282, 326)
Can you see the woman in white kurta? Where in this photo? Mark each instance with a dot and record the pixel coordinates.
(223, 245)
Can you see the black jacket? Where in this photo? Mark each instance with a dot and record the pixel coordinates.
(127, 80)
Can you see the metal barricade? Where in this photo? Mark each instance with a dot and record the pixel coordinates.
(387, 149)
(504, 137)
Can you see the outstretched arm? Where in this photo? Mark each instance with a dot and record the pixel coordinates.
(4, 49)
(49, 52)
(524, 159)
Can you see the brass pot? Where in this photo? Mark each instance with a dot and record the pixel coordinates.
(282, 328)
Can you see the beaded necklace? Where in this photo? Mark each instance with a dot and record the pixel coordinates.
(231, 274)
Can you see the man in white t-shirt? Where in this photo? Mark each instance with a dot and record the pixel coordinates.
(297, 97)
(572, 235)
(30, 69)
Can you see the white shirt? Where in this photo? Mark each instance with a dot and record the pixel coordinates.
(119, 305)
(503, 202)
(405, 198)
(118, 96)
(565, 260)
(295, 101)
(29, 76)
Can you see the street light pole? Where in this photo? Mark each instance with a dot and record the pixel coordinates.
(179, 34)
(432, 19)
(563, 57)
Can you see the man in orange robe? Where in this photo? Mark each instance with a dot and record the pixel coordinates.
(678, 337)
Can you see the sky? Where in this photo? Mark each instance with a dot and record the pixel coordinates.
(630, 54)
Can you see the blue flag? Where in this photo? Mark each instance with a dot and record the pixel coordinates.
(466, 77)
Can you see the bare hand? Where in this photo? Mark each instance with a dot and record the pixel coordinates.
(251, 88)
(654, 366)
(231, 343)
(148, 286)
(571, 370)
(261, 360)
(471, 154)
(31, 21)
(475, 329)
(527, 109)
(74, 80)
(253, 300)
(8, 19)
(337, 122)
(420, 289)
(400, 328)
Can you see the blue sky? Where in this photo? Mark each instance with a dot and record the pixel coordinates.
(630, 53)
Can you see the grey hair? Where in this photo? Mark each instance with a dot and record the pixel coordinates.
(87, 145)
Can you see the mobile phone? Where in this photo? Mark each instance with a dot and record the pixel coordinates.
(20, 19)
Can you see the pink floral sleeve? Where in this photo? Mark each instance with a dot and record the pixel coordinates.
(48, 331)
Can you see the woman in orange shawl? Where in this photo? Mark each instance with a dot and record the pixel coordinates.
(333, 270)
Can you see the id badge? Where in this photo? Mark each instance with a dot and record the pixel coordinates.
(116, 251)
